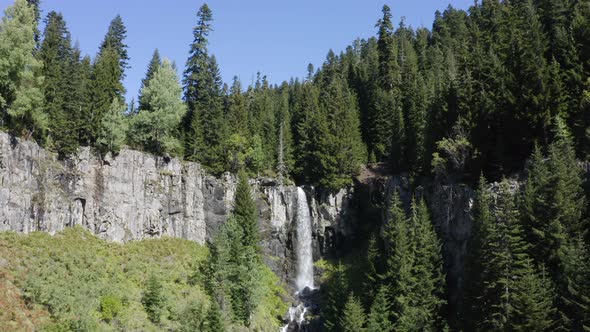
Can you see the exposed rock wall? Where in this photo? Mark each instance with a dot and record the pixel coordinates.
(136, 195)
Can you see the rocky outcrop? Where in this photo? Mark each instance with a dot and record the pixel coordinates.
(136, 195)
(130, 197)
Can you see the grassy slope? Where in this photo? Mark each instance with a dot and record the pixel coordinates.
(56, 282)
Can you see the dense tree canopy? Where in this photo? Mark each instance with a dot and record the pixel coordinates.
(500, 91)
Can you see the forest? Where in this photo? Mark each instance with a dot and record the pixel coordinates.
(488, 97)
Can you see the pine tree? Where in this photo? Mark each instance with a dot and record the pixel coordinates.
(478, 253)
(245, 211)
(21, 94)
(504, 252)
(337, 293)
(384, 118)
(237, 112)
(155, 127)
(378, 319)
(213, 320)
(106, 85)
(353, 316)
(429, 289)
(546, 235)
(82, 96)
(115, 39)
(533, 303)
(153, 299)
(204, 127)
(153, 66)
(203, 123)
(574, 292)
(372, 276)
(59, 65)
(341, 149)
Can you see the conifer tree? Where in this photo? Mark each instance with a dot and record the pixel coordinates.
(504, 252)
(384, 118)
(372, 277)
(106, 85)
(21, 94)
(153, 299)
(574, 292)
(82, 96)
(533, 303)
(378, 319)
(154, 64)
(337, 294)
(214, 320)
(237, 112)
(245, 211)
(427, 270)
(478, 252)
(341, 149)
(353, 316)
(204, 126)
(204, 129)
(115, 39)
(59, 65)
(546, 235)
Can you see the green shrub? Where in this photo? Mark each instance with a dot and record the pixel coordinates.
(110, 307)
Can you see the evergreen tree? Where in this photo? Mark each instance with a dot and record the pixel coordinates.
(115, 39)
(21, 94)
(59, 65)
(378, 319)
(106, 85)
(533, 303)
(155, 127)
(204, 128)
(153, 299)
(574, 304)
(245, 211)
(546, 235)
(353, 316)
(237, 112)
(384, 118)
(504, 252)
(213, 320)
(429, 289)
(478, 252)
(337, 294)
(82, 96)
(341, 150)
(153, 66)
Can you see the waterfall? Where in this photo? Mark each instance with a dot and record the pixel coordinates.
(303, 248)
(304, 255)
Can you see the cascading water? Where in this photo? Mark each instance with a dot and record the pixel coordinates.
(303, 248)
(304, 253)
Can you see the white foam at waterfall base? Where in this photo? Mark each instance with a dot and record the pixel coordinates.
(303, 247)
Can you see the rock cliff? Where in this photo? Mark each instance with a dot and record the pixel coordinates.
(136, 195)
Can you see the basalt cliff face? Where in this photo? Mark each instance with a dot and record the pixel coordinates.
(136, 195)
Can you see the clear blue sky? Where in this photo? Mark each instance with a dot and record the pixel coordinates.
(276, 37)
